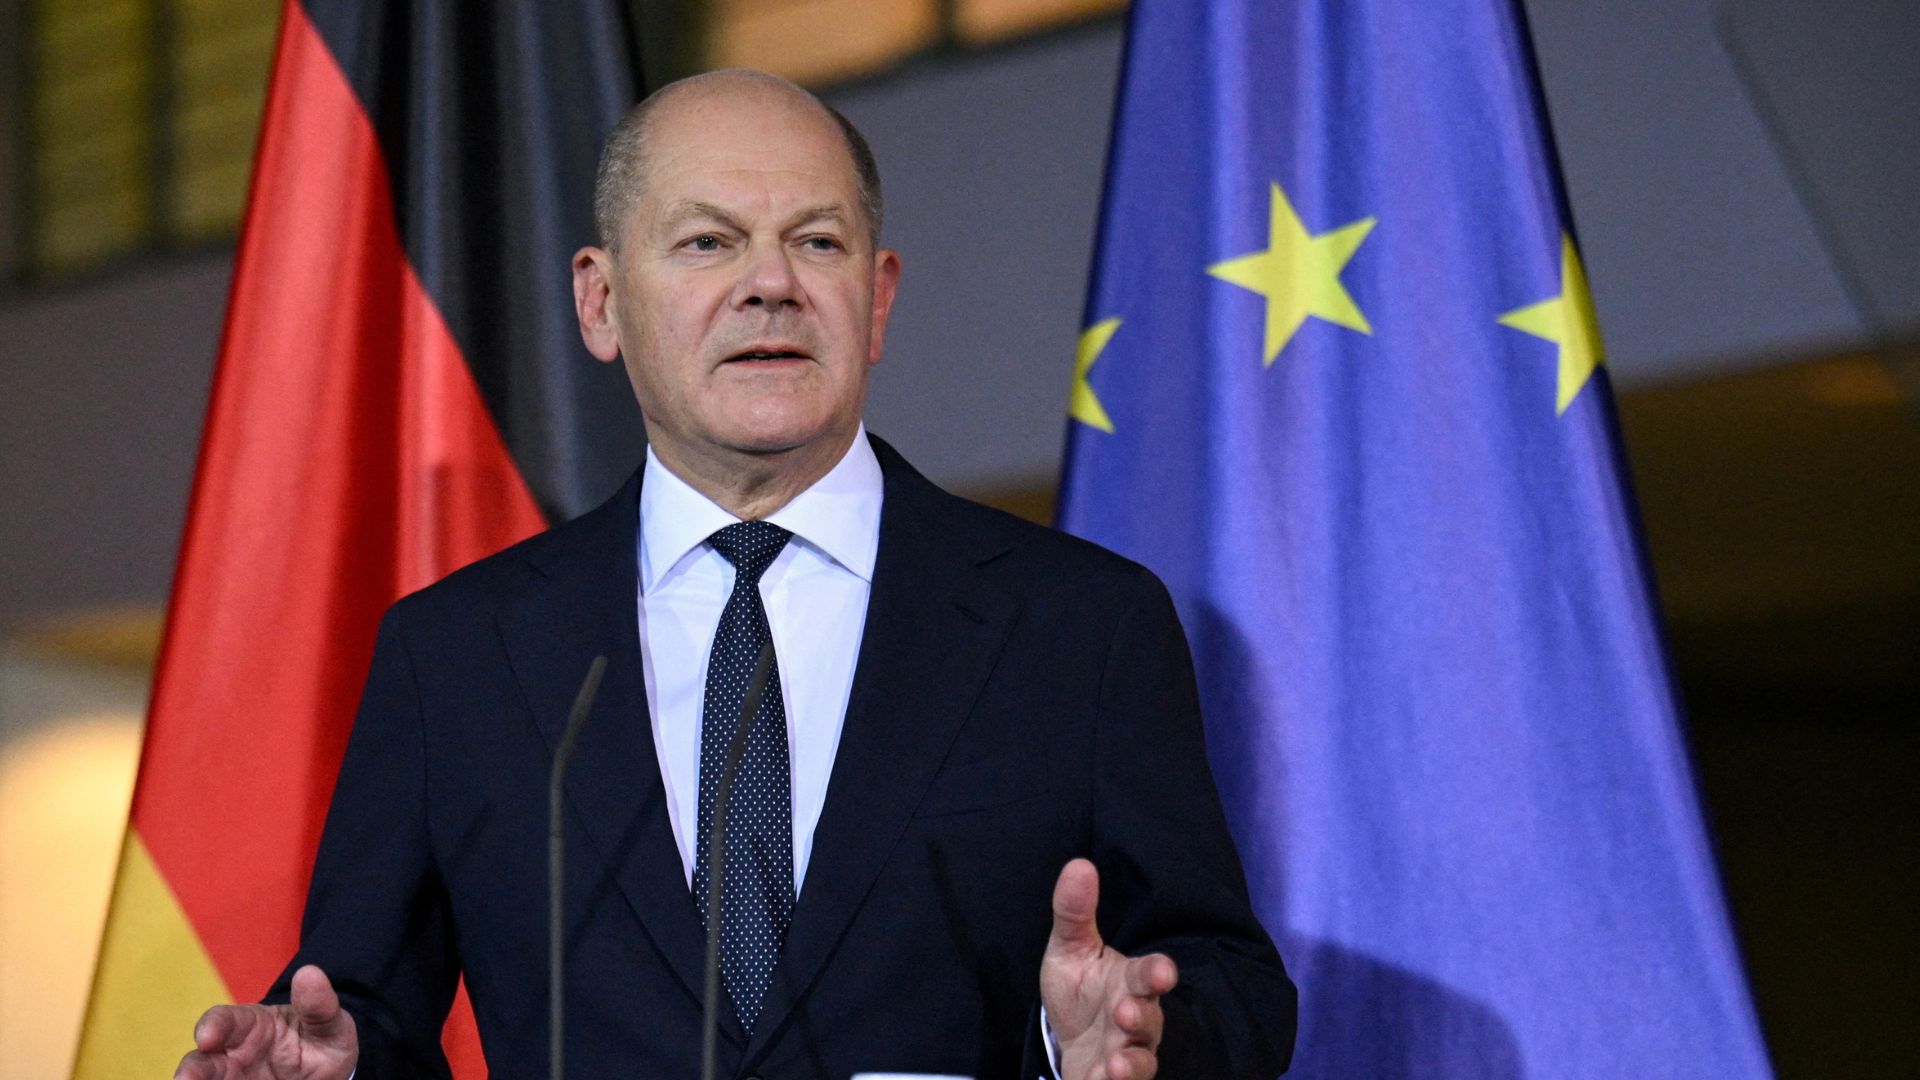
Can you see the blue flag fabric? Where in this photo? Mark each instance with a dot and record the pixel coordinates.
(1340, 386)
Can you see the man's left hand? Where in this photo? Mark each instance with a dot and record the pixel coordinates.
(1104, 1008)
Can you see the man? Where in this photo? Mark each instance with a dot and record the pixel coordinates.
(969, 715)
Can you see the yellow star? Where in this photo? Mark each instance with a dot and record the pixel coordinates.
(1083, 405)
(1567, 320)
(1298, 274)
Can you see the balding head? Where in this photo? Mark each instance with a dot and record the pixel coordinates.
(623, 162)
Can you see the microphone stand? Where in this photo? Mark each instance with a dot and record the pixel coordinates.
(556, 866)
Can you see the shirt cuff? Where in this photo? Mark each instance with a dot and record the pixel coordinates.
(1046, 1033)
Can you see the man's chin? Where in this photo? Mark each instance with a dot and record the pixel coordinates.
(773, 445)
(756, 441)
(787, 437)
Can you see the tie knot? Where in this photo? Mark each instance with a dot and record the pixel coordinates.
(750, 546)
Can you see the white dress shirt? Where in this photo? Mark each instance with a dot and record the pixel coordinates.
(816, 598)
(815, 593)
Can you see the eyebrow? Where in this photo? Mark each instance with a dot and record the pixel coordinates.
(684, 211)
(821, 213)
(693, 209)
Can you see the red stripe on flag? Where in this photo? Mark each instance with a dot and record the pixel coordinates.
(347, 460)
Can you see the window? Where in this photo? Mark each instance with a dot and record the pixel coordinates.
(136, 128)
(140, 126)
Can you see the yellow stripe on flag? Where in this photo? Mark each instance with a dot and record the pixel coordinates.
(153, 981)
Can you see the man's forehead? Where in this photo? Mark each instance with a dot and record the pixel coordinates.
(719, 155)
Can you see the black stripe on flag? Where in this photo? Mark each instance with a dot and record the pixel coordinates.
(491, 114)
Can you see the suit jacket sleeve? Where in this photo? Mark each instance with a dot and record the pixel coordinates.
(1170, 877)
(377, 919)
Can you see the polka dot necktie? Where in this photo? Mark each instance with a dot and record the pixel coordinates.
(756, 901)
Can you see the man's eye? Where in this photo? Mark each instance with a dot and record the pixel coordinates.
(704, 243)
(823, 243)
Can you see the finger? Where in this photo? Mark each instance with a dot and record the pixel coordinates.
(1152, 975)
(1076, 896)
(1141, 1020)
(197, 1066)
(316, 1006)
(210, 1031)
(1132, 1063)
(225, 1026)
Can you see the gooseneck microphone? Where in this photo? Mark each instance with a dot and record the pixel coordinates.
(717, 856)
(556, 867)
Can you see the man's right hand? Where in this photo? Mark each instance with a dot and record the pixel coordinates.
(311, 1039)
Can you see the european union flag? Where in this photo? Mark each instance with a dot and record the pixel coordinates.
(1341, 386)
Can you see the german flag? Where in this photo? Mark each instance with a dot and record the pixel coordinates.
(400, 391)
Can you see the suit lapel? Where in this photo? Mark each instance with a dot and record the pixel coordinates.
(933, 631)
(585, 606)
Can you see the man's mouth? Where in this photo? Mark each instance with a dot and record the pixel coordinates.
(767, 355)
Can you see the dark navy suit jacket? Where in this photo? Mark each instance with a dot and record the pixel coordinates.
(1021, 697)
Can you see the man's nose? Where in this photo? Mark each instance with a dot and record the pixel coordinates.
(768, 280)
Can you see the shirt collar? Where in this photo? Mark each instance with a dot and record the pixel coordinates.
(839, 515)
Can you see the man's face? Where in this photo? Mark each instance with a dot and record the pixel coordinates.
(747, 298)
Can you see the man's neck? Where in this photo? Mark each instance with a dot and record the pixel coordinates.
(753, 486)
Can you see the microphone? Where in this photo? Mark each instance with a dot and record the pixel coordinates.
(556, 866)
(717, 856)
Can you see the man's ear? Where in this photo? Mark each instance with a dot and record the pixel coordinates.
(886, 280)
(593, 302)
